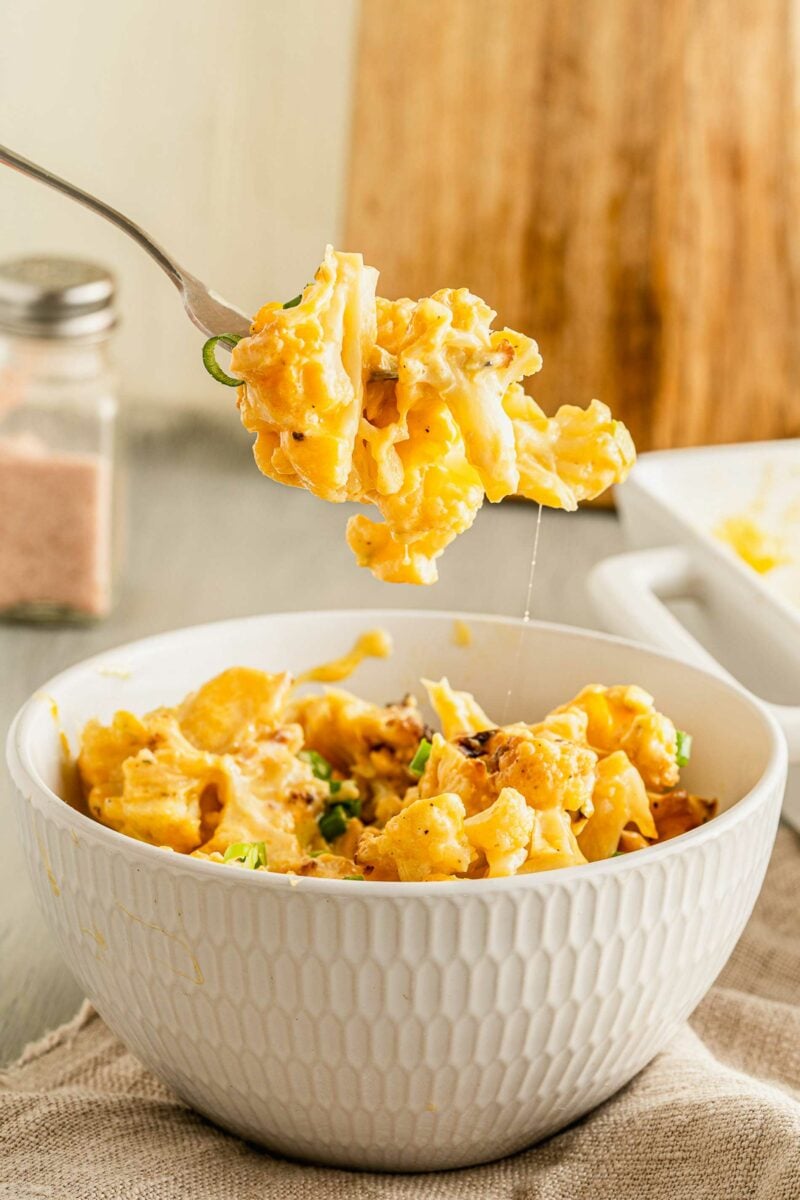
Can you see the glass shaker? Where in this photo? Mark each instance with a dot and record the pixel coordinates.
(58, 416)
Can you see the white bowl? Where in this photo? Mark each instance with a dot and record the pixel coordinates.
(399, 1026)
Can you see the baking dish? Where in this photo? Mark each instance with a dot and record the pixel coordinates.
(685, 590)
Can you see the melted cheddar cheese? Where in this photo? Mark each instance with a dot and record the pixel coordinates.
(324, 783)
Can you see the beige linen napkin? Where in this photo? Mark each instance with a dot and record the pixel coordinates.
(716, 1116)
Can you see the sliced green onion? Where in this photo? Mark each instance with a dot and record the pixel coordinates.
(683, 747)
(351, 805)
(359, 877)
(293, 303)
(210, 358)
(417, 764)
(333, 822)
(320, 767)
(252, 854)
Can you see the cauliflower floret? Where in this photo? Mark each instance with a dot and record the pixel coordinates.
(147, 779)
(651, 745)
(104, 749)
(572, 456)
(502, 832)
(548, 771)
(372, 744)
(623, 717)
(268, 795)
(619, 799)
(370, 859)
(553, 842)
(452, 769)
(160, 803)
(305, 368)
(144, 779)
(569, 723)
(425, 841)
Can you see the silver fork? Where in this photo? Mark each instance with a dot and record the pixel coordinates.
(204, 307)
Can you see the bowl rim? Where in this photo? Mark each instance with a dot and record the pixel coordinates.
(25, 776)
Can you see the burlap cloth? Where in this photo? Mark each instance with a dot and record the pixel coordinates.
(716, 1116)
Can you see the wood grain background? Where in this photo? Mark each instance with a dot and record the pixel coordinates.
(618, 178)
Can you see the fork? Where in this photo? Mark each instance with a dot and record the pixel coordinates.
(205, 308)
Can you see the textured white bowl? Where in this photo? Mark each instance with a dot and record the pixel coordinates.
(399, 1026)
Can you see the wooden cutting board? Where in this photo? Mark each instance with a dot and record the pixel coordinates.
(618, 178)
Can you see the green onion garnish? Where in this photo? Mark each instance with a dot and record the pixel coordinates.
(683, 747)
(333, 822)
(293, 303)
(210, 358)
(252, 854)
(417, 764)
(360, 877)
(320, 767)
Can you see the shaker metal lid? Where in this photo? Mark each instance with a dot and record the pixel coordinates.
(55, 297)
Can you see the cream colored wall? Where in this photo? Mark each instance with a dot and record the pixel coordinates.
(221, 127)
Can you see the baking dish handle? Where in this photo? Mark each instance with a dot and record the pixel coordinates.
(628, 592)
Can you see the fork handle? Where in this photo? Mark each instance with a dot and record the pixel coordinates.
(205, 308)
(156, 252)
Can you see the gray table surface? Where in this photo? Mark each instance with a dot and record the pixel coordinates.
(209, 538)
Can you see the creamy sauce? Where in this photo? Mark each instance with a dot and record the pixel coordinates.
(63, 740)
(462, 634)
(764, 532)
(376, 643)
(755, 545)
(451, 427)
(115, 672)
(45, 857)
(70, 784)
(98, 938)
(196, 975)
(526, 616)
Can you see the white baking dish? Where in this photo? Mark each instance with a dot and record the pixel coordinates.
(737, 621)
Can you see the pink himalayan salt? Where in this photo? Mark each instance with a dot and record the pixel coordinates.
(55, 528)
